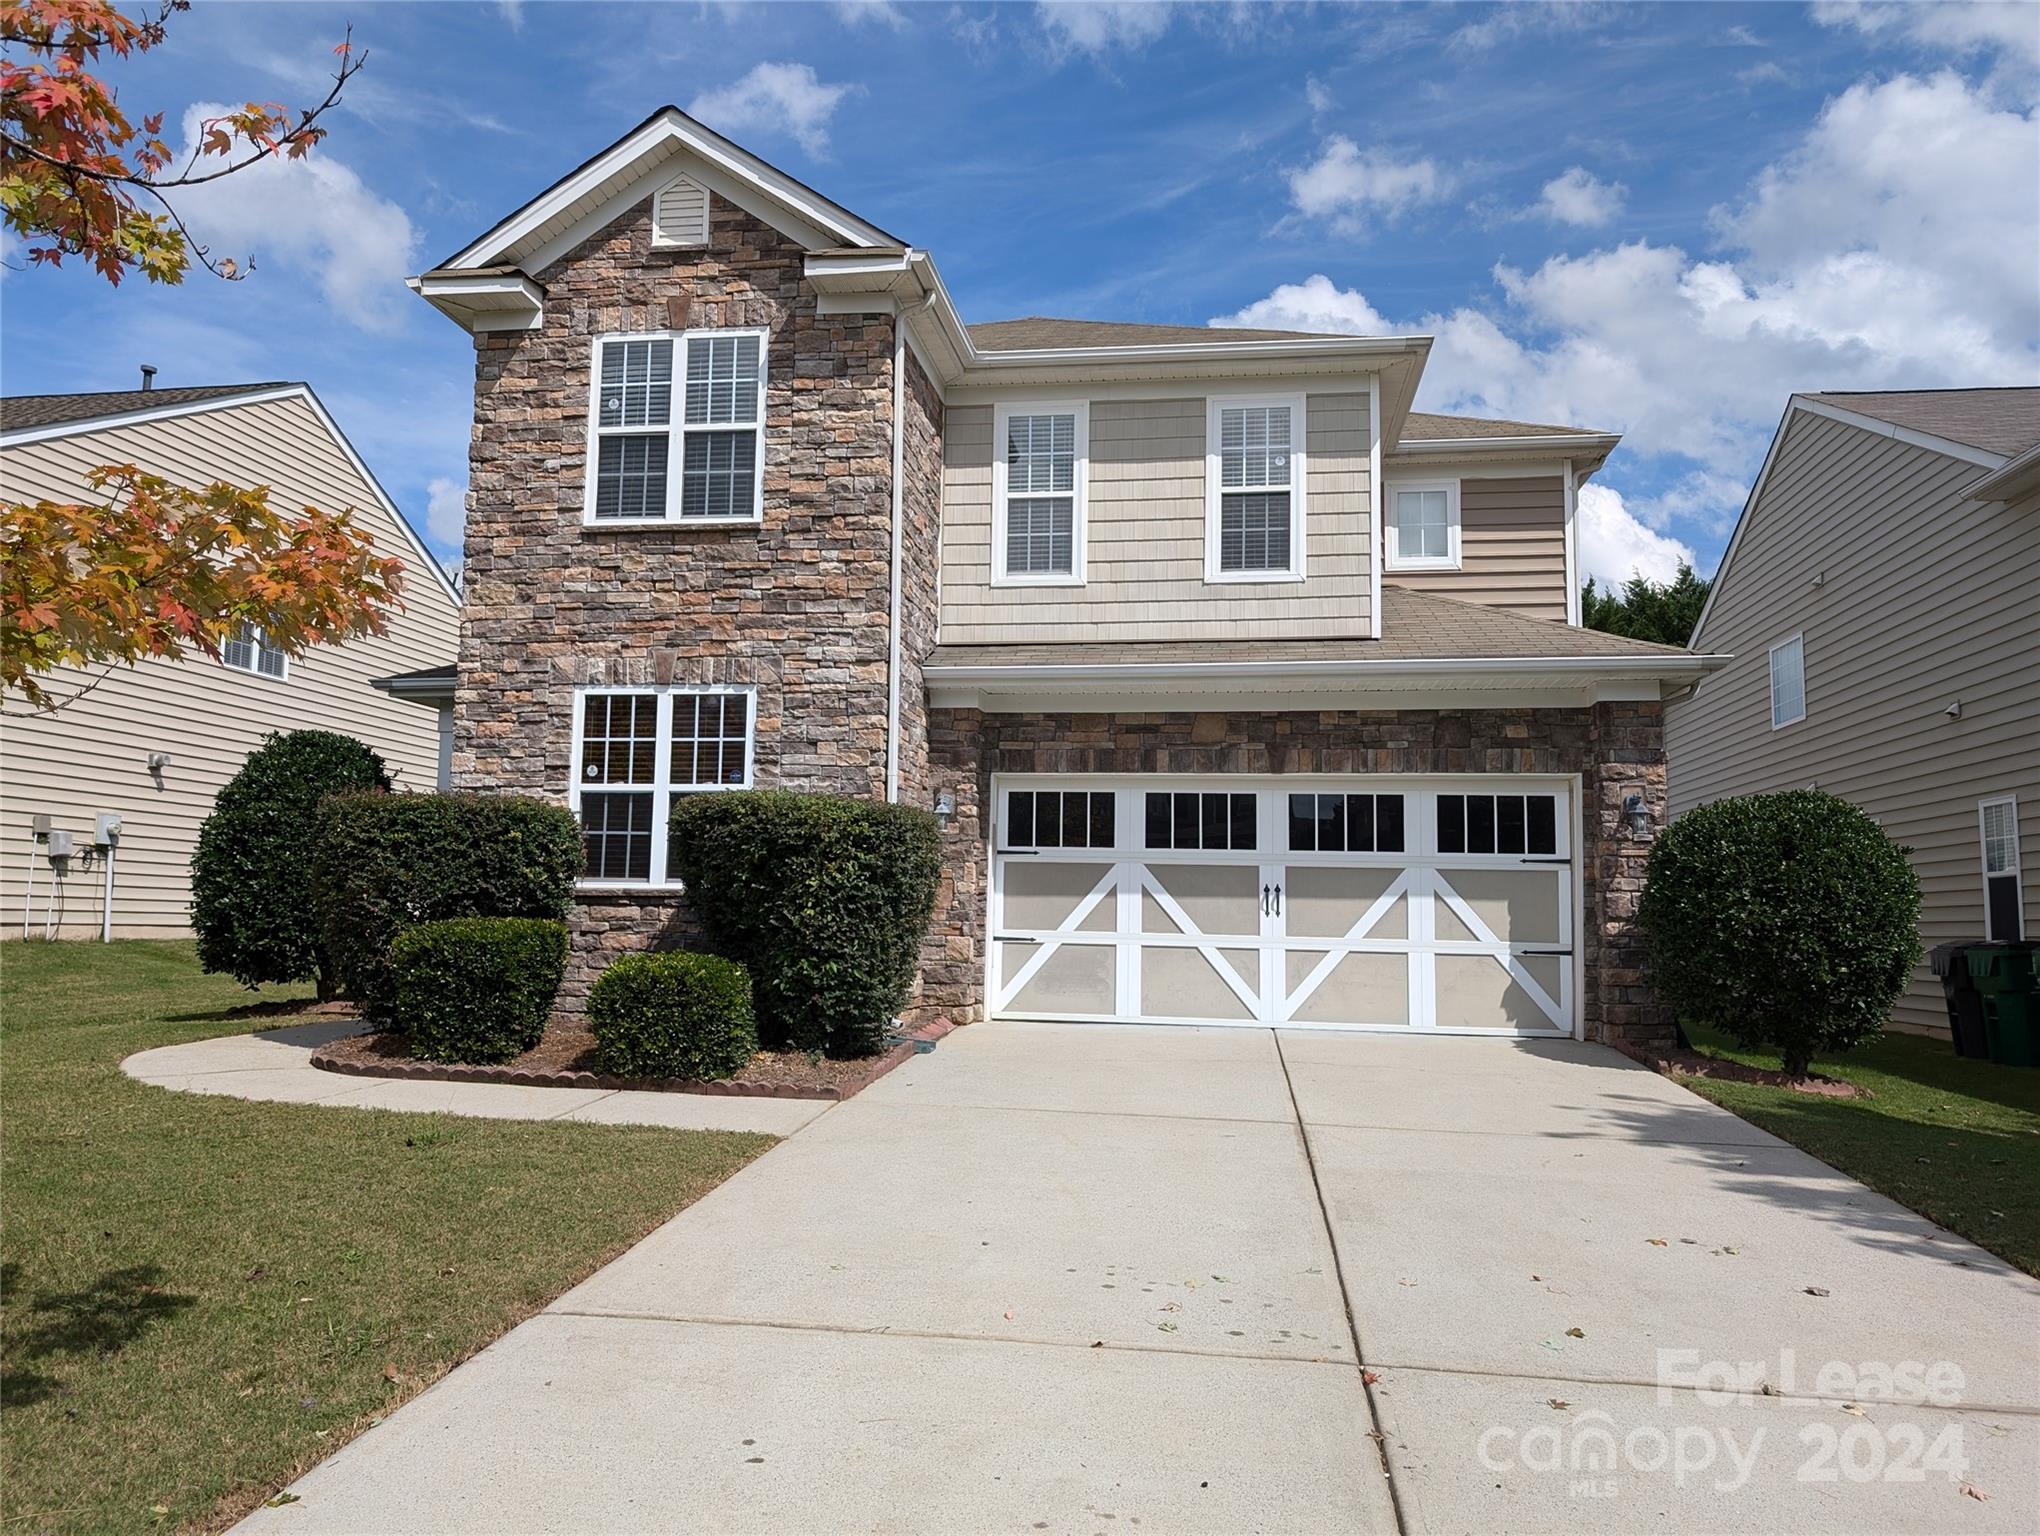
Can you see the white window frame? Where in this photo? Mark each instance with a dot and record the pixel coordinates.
(256, 638)
(1393, 557)
(662, 788)
(676, 430)
(1002, 414)
(1796, 638)
(1214, 492)
(2017, 870)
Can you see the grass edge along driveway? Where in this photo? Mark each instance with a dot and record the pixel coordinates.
(1955, 1139)
(200, 1297)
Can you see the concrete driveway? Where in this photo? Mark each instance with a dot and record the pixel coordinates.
(1079, 1278)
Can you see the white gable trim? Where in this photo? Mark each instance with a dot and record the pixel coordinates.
(670, 126)
(1849, 418)
(252, 397)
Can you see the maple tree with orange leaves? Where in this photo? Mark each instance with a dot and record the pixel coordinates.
(79, 177)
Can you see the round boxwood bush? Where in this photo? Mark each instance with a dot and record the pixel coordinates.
(822, 898)
(253, 864)
(672, 1015)
(1788, 920)
(477, 990)
(387, 862)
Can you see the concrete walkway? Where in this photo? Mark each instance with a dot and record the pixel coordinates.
(276, 1064)
(1076, 1278)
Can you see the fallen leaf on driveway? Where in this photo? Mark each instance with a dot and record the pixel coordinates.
(1657, 1242)
(1368, 1378)
(1855, 1408)
(1559, 1403)
(1975, 1492)
(1097, 1343)
(1816, 1290)
(1009, 1317)
(282, 1499)
(1166, 1327)
(1575, 1333)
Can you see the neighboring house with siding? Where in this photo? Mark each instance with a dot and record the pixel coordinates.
(1246, 693)
(155, 742)
(1881, 597)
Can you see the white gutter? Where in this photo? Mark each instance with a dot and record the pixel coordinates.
(1548, 440)
(892, 654)
(1376, 504)
(1677, 664)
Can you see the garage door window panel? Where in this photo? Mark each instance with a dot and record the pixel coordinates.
(1201, 820)
(1518, 824)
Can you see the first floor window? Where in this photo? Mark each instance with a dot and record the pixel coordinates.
(1256, 492)
(247, 651)
(719, 380)
(1788, 681)
(1423, 523)
(2003, 897)
(638, 750)
(1498, 824)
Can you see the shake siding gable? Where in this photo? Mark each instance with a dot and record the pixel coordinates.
(1911, 598)
(1146, 533)
(92, 755)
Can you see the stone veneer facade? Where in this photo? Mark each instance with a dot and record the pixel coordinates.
(1616, 749)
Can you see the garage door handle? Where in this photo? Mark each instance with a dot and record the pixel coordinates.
(1264, 901)
(1543, 951)
(1558, 858)
(1007, 853)
(1278, 901)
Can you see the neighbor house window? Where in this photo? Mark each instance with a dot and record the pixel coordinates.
(1038, 493)
(1423, 527)
(1788, 682)
(2004, 896)
(650, 462)
(636, 751)
(1254, 472)
(248, 652)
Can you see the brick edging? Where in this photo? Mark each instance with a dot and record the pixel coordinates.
(527, 1077)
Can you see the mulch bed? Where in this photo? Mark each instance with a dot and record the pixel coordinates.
(565, 1058)
(1678, 1062)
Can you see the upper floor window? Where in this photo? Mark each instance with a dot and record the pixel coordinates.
(1423, 526)
(1038, 493)
(1788, 682)
(638, 749)
(249, 652)
(1254, 471)
(705, 463)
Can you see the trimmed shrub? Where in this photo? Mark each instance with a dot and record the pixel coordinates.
(253, 864)
(1788, 920)
(672, 1015)
(477, 989)
(387, 862)
(822, 898)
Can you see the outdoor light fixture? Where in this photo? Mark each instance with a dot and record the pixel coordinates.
(945, 803)
(1636, 816)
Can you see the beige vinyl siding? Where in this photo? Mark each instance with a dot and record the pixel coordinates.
(1925, 598)
(92, 756)
(1146, 523)
(1511, 544)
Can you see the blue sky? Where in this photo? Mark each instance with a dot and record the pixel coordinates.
(1660, 219)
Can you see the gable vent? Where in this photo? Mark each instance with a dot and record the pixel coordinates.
(680, 214)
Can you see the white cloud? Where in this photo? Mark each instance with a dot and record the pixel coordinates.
(313, 214)
(446, 513)
(1743, 37)
(1509, 22)
(1961, 27)
(1098, 26)
(1614, 544)
(1318, 95)
(1315, 304)
(772, 97)
(512, 12)
(1582, 198)
(877, 13)
(1892, 248)
(1758, 74)
(1346, 181)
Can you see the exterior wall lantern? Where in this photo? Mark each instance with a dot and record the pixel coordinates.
(1636, 816)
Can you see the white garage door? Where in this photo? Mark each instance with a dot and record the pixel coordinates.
(1440, 904)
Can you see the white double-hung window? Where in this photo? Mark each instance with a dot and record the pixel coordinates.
(248, 651)
(1788, 682)
(1038, 475)
(637, 750)
(1253, 466)
(1423, 526)
(677, 428)
(2004, 890)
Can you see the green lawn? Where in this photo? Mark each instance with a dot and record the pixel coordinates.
(1955, 1139)
(204, 1296)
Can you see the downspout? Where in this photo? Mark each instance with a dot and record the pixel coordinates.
(1572, 562)
(892, 670)
(1376, 497)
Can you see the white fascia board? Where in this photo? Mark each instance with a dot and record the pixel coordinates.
(1543, 442)
(508, 302)
(1918, 439)
(1357, 347)
(2018, 476)
(1152, 699)
(1683, 665)
(671, 126)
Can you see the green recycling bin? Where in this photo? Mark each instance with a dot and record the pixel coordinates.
(2007, 975)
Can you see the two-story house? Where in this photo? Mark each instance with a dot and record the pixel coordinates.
(1881, 595)
(1246, 693)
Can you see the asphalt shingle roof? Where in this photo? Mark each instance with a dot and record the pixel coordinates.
(1038, 333)
(1415, 626)
(20, 412)
(1420, 426)
(1995, 420)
